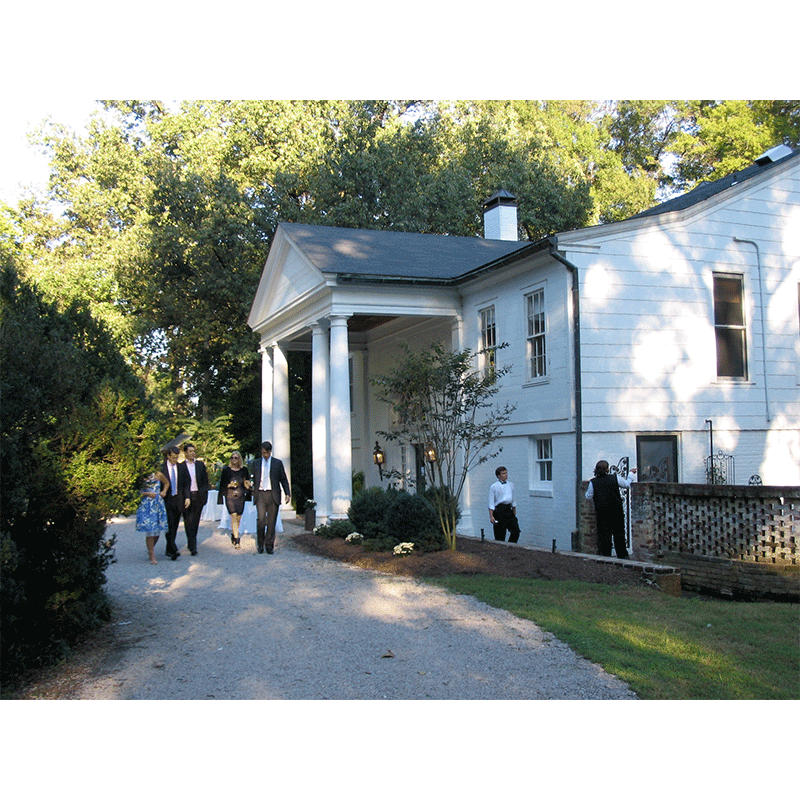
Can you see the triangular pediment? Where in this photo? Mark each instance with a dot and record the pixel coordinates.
(287, 280)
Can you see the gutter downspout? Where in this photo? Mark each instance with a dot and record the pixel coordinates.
(763, 329)
(576, 337)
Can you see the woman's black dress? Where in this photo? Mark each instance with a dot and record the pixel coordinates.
(231, 487)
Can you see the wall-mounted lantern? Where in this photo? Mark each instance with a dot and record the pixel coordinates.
(431, 455)
(379, 458)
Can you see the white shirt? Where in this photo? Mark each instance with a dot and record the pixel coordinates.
(266, 466)
(501, 493)
(192, 475)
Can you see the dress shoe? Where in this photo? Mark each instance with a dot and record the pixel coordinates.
(270, 550)
(260, 549)
(194, 552)
(175, 556)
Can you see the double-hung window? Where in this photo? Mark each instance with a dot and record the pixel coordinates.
(488, 341)
(544, 461)
(729, 326)
(537, 350)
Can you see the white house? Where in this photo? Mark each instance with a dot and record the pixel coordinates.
(638, 339)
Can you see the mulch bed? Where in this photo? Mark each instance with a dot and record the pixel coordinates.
(472, 557)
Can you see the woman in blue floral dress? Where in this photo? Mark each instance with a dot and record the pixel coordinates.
(151, 517)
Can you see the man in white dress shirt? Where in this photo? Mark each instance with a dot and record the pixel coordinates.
(177, 497)
(503, 508)
(269, 477)
(196, 497)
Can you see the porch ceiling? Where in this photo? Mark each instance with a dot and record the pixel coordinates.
(356, 324)
(361, 323)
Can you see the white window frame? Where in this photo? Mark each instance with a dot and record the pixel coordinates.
(729, 327)
(541, 464)
(488, 328)
(544, 460)
(536, 335)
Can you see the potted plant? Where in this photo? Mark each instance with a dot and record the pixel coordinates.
(310, 509)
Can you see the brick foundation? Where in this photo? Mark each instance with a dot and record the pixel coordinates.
(725, 540)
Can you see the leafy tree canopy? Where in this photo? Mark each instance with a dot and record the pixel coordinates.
(161, 219)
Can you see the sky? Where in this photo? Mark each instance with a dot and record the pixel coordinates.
(56, 58)
(21, 163)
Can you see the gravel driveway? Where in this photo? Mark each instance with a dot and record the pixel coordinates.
(234, 625)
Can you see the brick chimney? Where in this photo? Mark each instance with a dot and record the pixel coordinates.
(500, 217)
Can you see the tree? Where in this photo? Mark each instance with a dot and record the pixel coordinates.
(162, 219)
(720, 137)
(443, 403)
(76, 433)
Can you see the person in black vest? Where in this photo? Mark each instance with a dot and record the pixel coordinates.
(197, 494)
(177, 497)
(604, 490)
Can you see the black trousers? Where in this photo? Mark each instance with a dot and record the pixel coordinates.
(505, 520)
(266, 517)
(172, 503)
(191, 521)
(611, 527)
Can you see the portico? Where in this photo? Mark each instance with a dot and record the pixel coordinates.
(330, 298)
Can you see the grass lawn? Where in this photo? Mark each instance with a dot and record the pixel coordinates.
(664, 647)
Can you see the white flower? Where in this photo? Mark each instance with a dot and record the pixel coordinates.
(403, 549)
(354, 538)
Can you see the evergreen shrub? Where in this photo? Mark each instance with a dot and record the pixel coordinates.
(436, 494)
(412, 518)
(367, 511)
(74, 436)
(335, 529)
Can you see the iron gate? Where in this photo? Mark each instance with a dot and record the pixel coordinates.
(621, 468)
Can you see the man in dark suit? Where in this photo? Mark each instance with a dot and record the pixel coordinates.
(177, 497)
(198, 494)
(269, 477)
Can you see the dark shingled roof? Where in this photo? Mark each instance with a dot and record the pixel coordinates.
(360, 254)
(424, 256)
(708, 189)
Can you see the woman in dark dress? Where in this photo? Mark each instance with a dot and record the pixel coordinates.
(235, 487)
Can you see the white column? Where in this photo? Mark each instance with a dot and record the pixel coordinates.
(456, 333)
(320, 405)
(266, 394)
(281, 440)
(340, 438)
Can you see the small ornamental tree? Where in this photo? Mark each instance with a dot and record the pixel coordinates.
(441, 401)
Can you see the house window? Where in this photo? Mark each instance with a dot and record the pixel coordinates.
(537, 355)
(488, 341)
(544, 461)
(729, 326)
(657, 458)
